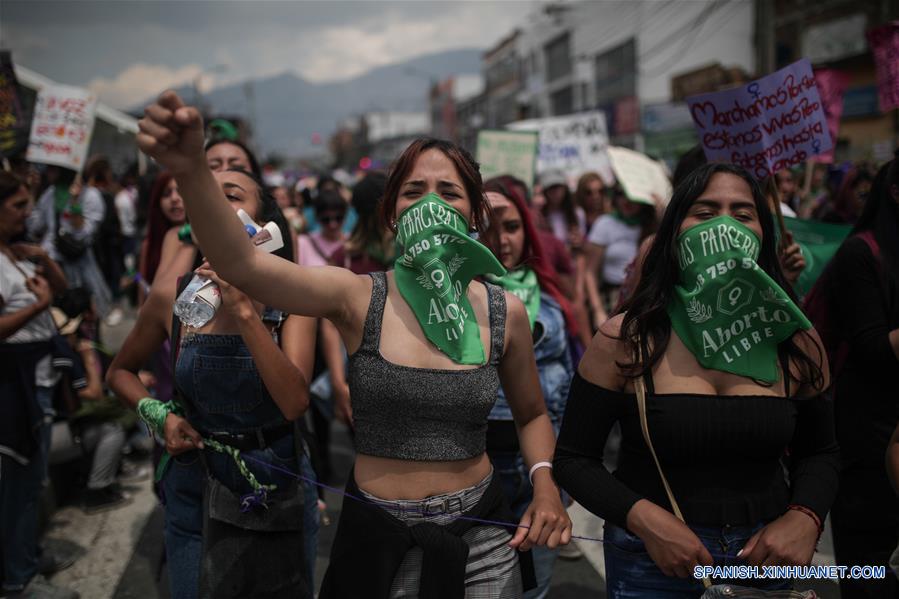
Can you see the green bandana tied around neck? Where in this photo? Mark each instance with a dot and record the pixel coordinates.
(728, 312)
(522, 283)
(436, 260)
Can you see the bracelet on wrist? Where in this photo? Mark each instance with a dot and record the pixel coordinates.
(811, 514)
(536, 467)
(154, 412)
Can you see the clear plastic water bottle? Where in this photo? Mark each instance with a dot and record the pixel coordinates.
(196, 305)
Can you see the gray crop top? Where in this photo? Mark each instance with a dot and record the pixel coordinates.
(426, 414)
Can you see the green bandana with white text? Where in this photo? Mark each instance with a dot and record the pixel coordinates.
(523, 284)
(728, 312)
(435, 263)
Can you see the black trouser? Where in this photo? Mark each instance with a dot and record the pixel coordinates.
(865, 519)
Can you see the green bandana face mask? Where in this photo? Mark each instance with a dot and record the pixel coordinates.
(436, 260)
(522, 283)
(728, 312)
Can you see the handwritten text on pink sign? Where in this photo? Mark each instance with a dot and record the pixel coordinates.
(769, 124)
(884, 42)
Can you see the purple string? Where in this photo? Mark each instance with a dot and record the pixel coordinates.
(258, 498)
(459, 517)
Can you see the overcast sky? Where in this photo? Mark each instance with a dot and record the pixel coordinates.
(127, 50)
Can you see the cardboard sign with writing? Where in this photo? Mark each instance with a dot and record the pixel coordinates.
(508, 153)
(884, 42)
(641, 177)
(772, 123)
(13, 120)
(62, 126)
(574, 144)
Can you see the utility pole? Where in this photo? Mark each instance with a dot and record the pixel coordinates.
(766, 59)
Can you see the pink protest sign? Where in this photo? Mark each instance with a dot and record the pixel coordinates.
(884, 42)
(831, 85)
(772, 123)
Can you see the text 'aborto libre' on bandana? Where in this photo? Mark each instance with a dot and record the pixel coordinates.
(523, 284)
(435, 263)
(726, 310)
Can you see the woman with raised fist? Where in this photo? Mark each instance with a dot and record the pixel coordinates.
(427, 348)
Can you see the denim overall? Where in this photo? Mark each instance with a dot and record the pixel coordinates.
(555, 370)
(224, 393)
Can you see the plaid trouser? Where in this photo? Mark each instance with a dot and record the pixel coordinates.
(492, 570)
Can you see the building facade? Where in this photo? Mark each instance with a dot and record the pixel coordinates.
(831, 34)
(615, 56)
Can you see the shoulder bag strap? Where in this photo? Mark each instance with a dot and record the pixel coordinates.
(871, 241)
(15, 263)
(640, 388)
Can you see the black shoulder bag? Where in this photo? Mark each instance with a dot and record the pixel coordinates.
(67, 244)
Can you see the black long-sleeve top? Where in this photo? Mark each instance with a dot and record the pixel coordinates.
(865, 304)
(721, 454)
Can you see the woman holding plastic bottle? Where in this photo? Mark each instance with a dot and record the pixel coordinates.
(241, 383)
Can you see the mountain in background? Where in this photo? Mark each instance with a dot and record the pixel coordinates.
(289, 109)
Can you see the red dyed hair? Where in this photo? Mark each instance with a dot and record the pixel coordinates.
(157, 226)
(466, 166)
(532, 253)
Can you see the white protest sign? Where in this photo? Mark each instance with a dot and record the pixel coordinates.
(574, 144)
(62, 126)
(641, 177)
(508, 153)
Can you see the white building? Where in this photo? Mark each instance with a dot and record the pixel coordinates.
(619, 55)
(390, 125)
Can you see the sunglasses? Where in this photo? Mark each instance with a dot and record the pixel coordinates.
(327, 220)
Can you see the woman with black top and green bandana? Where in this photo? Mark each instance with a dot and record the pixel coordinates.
(733, 376)
(427, 350)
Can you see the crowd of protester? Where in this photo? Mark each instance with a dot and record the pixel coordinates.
(569, 337)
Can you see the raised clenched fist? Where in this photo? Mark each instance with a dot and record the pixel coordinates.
(172, 134)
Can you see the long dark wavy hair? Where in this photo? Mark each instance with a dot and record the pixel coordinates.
(532, 253)
(567, 207)
(881, 216)
(468, 168)
(157, 226)
(646, 318)
(369, 236)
